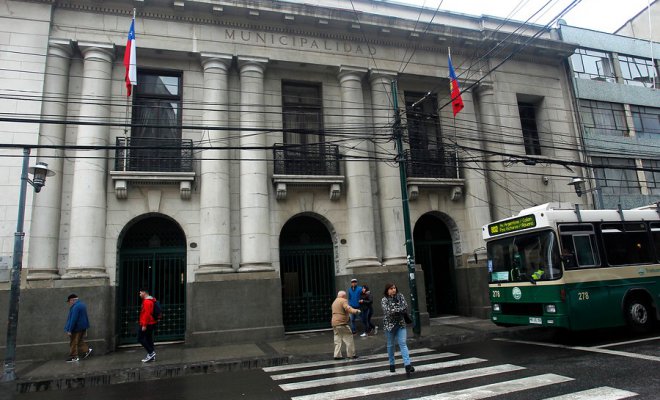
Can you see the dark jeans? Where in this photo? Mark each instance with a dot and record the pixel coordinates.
(146, 338)
(366, 320)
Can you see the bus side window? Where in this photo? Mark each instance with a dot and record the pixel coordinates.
(655, 236)
(585, 250)
(568, 252)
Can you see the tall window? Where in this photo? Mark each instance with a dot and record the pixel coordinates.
(423, 124)
(591, 64)
(638, 71)
(616, 176)
(156, 136)
(157, 102)
(302, 113)
(603, 118)
(530, 131)
(646, 120)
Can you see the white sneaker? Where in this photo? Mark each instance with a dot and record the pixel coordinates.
(149, 357)
(364, 334)
(375, 329)
(88, 353)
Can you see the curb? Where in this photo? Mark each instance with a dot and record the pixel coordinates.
(153, 372)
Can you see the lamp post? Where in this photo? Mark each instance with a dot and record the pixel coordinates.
(40, 172)
(578, 184)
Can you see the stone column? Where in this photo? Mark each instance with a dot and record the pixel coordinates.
(254, 201)
(45, 228)
(360, 235)
(389, 182)
(215, 249)
(488, 123)
(88, 197)
(477, 210)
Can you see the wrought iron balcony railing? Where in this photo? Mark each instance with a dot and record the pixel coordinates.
(310, 159)
(431, 164)
(154, 155)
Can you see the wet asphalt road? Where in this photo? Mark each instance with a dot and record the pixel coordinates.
(624, 362)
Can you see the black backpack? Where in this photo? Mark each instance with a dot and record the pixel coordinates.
(157, 312)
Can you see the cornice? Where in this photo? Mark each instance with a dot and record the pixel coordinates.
(445, 35)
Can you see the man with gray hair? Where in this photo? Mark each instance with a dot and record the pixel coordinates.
(340, 326)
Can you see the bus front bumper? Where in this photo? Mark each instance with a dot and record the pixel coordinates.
(558, 321)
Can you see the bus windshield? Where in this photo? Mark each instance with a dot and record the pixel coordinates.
(529, 257)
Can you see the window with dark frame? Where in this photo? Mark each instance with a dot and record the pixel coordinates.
(638, 71)
(155, 140)
(592, 64)
(603, 118)
(626, 243)
(527, 112)
(616, 176)
(652, 177)
(646, 121)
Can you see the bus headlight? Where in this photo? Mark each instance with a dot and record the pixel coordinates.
(550, 308)
(496, 307)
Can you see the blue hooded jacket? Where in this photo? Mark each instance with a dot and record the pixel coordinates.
(77, 320)
(354, 296)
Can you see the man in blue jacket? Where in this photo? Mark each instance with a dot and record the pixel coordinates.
(76, 327)
(354, 293)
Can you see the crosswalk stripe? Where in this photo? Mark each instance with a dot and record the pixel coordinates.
(353, 367)
(375, 375)
(497, 389)
(410, 383)
(331, 362)
(599, 393)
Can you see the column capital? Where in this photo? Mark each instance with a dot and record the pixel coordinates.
(216, 60)
(256, 64)
(484, 89)
(60, 47)
(102, 51)
(379, 74)
(347, 73)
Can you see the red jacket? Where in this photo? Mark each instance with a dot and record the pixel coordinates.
(147, 311)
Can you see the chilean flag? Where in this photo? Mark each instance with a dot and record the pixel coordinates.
(456, 99)
(130, 59)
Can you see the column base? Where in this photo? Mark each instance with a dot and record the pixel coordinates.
(401, 261)
(85, 273)
(363, 262)
(256, 267)
(214, 269)
(42, 274)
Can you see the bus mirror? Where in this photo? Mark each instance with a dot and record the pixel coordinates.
(568, 261)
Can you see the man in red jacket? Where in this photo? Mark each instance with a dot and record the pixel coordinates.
(147, 324)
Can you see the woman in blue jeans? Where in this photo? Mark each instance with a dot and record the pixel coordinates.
(394, 305)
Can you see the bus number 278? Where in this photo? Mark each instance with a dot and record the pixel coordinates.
(583, 295)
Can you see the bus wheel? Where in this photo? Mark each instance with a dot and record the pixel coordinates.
(638, 314)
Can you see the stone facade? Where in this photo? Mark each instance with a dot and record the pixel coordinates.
(231, 206)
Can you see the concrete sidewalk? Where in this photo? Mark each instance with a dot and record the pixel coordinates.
(175, 360)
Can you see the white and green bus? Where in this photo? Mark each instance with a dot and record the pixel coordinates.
(575, 269)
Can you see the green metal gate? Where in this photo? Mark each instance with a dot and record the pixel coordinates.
(436, 259)
(163, 271)
(308, 286)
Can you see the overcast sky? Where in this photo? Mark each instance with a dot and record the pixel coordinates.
(601, 15)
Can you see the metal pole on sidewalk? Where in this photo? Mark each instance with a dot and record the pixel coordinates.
(410, 249)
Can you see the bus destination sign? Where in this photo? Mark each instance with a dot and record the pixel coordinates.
(512, 225)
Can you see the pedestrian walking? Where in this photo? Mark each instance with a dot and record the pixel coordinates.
(354, 300)
(76, 327)
(340, 326)
(394, 326)
(147, 324)
(366, 306)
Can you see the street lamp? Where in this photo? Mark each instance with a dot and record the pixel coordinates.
(39, 172)
(579, 183)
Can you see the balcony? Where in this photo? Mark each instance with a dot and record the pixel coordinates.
(149, 161)
(309, 165)
(434, 169)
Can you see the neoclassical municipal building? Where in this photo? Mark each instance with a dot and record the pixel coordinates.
(253, 170)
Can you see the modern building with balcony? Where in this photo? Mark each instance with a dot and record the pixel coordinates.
(615, 81)
(252, 172)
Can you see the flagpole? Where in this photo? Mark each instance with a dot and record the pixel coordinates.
(125, 151)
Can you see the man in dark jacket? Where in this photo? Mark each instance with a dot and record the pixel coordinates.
(76, 327)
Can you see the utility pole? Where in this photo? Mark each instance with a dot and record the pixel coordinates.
(410, 250)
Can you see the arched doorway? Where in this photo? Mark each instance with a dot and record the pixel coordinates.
(434, 251)
(307, 273)
(152, 254)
